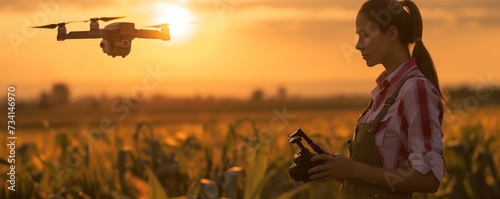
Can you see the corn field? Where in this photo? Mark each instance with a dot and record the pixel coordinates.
(245, 158)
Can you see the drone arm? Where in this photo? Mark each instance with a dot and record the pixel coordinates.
(152, 34)
(82, 35)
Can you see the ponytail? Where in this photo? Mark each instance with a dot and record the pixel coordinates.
(420, 53)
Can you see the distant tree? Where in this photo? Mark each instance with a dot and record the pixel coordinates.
(60, 94)
(157, 98)
(463, 92)
(94, 102)
(257, 95)
(44, 101)
(281, 93)
(496, 95)
(103, 98)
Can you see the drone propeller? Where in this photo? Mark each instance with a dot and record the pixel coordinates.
(54, 25)
(105, 19)
(168, 24)
(159, 25)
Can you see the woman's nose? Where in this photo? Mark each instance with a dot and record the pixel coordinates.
(360, 45)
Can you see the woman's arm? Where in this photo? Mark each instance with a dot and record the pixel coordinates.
(406, 180)
(342, 168)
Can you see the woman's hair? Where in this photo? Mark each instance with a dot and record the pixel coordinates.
(405, 16)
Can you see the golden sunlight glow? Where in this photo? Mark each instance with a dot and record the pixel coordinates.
(178, 16)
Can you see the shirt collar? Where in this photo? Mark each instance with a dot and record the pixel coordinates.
(384, 79)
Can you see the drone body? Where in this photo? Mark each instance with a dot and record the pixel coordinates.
(116, 37)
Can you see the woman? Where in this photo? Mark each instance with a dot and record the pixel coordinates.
(397, 145)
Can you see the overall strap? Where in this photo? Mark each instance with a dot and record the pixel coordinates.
(389, 101)
(366, 109)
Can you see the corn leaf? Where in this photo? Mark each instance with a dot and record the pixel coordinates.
(156, 190)
(256, 171)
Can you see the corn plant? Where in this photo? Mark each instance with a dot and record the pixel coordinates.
(472, 163)
(223, 161)
(148, 152)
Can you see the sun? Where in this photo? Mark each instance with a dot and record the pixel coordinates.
(180, 18)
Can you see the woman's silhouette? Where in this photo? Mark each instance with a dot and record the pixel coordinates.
(397, 145)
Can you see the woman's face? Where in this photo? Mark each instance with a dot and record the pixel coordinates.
(373, 44)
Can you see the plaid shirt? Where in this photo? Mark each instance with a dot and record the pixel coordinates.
(410, 133)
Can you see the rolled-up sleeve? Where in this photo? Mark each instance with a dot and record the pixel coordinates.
(423, 111)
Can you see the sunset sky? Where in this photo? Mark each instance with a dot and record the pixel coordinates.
(236, 46)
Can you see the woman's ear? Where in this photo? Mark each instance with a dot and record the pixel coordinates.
(393, 33)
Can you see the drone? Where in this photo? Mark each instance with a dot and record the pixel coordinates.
(116, 37)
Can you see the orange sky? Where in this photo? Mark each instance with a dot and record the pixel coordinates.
(237, 46)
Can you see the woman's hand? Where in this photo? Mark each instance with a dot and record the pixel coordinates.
(336, 167)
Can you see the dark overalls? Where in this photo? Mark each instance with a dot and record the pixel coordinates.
(362, 149)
